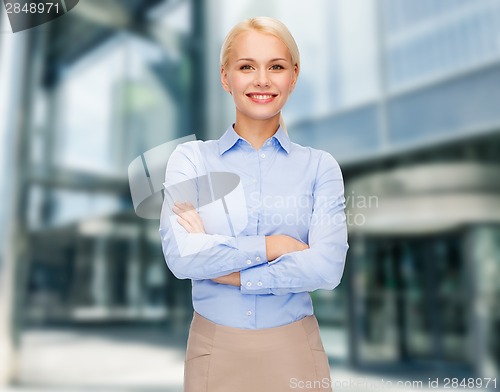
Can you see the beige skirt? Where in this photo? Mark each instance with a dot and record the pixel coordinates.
(225, 359)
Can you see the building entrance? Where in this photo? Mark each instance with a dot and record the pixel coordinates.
(412, 295)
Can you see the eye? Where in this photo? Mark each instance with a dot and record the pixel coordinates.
(277, 67)
(246, 67)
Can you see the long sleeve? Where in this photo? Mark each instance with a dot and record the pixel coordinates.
(200, 256)
(322, 265)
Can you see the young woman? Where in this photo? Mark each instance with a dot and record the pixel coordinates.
(254, 258)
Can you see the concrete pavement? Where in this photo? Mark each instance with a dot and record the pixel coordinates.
(149, 359)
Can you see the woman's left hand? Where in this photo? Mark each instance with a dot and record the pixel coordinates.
(188, 217)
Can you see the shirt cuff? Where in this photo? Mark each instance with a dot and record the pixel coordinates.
(256, 280)
(254, 247)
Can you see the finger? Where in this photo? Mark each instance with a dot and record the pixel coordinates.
(195, 221)
(193, 224)
(188, 212)
(198, 226)
(188, 205)
(184, 223)
(180, 209)
(184, 205)
(189, 216)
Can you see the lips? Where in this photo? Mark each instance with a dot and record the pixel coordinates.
(261, 97)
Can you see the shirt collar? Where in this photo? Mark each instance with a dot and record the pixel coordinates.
(283, 139)
(228, 140)
(230, 137)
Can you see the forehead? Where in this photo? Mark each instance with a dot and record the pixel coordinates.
(256, 45)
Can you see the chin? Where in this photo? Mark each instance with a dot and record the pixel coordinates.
(261, 115)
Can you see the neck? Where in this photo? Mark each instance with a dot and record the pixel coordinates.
(256, 132)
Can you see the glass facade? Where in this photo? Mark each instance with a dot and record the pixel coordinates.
(432, 60)
(430, 39)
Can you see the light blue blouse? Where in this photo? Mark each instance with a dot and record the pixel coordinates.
(243, 195)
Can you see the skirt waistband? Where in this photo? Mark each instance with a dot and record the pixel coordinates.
(230, 336)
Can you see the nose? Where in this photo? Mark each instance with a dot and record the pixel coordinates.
(262, 79)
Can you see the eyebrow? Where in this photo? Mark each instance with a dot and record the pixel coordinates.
(272, 60)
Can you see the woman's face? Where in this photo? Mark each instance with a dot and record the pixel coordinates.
(260, 76)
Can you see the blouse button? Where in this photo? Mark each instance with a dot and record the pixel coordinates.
(249, 313)
(259, 283)
(262, 155)
(249, 261)
(249, 284)
(257, 258)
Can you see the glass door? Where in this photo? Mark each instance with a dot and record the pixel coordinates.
(412, 296)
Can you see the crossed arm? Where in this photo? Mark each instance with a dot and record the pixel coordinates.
(276, 264)
(276, 245)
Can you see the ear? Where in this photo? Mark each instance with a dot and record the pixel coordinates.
(295, 76)
(224, 80)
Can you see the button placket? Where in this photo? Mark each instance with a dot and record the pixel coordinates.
(249, 309)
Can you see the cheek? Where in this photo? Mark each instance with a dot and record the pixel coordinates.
(239, 83)
(231, 82)
(286, 86)
(284, 81)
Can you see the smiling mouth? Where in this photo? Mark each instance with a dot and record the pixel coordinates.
(261, 98)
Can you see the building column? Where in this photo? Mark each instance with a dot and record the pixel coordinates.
(17, 78)
(482, 252)
(100, 277)
(355, 306)
(133, 289)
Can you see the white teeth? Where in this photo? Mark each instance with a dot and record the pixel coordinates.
(262, 96)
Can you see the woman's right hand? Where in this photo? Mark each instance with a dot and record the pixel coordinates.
(188, 217)
(280, 244)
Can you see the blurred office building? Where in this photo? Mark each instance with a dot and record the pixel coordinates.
(404, 94)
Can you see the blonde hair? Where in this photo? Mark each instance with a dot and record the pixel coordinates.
(266, 25)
